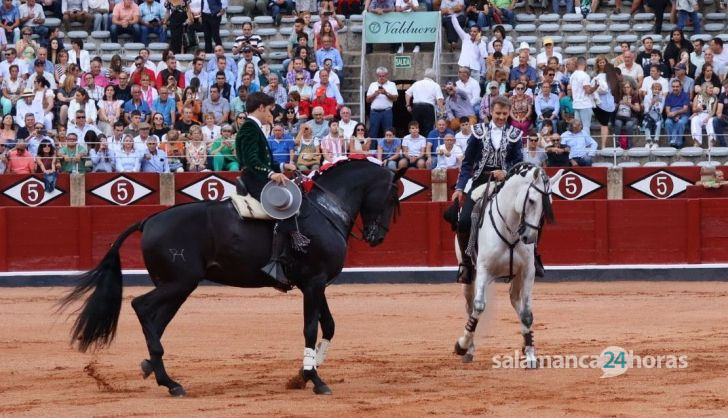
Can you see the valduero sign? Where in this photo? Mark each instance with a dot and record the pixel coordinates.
(402, 61)
(390, 28)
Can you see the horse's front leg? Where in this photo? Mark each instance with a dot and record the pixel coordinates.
(520, 292)
(327, 332)
(313, 300)
(464, 343)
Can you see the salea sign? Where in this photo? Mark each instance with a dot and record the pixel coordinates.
(390, 28)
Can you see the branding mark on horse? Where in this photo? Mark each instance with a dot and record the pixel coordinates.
(177, 253)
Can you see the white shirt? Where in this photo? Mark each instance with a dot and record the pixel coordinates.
(415, 146)
(470, 54)
(635, 72)
(582, 100)
(461, 139)
(347, 128)
(36, 13)
(5, 68)
(496, 136)
(543, 59)
(505, 50)
(382, 102)
(333, 78)
(449, 162)
(649, 81)
(408, 7)
(721, 60)
(472, 88)
(425, 91)
(83, 58)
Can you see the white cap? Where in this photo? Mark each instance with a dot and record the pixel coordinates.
(524, 45)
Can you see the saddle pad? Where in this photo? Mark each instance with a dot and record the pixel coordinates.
(477, 192)
(249, 208)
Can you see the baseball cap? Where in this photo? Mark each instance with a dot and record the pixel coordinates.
(492, 84)
(680, 66)
(547, 40)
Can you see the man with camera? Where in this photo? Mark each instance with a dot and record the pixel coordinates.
(381, 95)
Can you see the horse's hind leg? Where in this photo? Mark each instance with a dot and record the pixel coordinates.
(464, 343)
(469, 293)
(155, 310)
(327, 332)
(520, 292)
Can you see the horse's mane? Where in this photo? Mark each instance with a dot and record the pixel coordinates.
(336, 167)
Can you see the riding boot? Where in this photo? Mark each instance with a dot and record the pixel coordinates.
(274, 268)
(465, 268)
(540, 272)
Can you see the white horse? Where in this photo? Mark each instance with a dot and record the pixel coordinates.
(510, 228)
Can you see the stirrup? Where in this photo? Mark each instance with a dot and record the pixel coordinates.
(465, 274)
(274, 270)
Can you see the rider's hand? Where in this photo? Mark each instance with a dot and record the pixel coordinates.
(499, 175)
(459, 196)
(289, 167)
(279, 178)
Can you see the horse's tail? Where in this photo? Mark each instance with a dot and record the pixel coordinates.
(96, 324)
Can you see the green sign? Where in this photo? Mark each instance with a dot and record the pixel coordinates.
(402, 61)
(392, 28)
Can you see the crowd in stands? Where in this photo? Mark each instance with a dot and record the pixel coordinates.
(64, 110)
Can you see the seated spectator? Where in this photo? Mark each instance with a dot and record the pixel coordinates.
(80, 128)
(359, 143)
(137, 104)
(327, 29)
(81, 101)
(549, 77)
(12, 86)
(276, 91)
(308, 151)
(389, 150)
(26, 105)
(154, 160)
(223, 151)
(170, 71)
(110, 110)
(677, 112)
(502, 11)
(20, 160)
(159, 128)
(521, 107)
(523, 69)
(328, 51)
(72, 155)
(127, 158)
(26, 46)
(152, 20)
(654, 77)
(135, 126)
(331, 89)
(627, 112)
(548, 52)
(99, 9)
(547, 108)
(470, 85)
(281, 145)
(333, 145)
(220, 68)
(37, 135)
(165, 106)
(711, 180)
(582, 147)
(210, 131)
(248, 39)
(186, 122)
(46, 163)
(533, 153)
(76, 11)
(196, 150)
(125, 19)
(217, 105)
(631, 70)
(704, 107)
(449, 154)
(237, 105)
(102, 157)
(653, 105)
(290, 122)
(490, 94)
(457, 105)
(416, 148)
(328, 104)
(557, 154)
(33, 17)
(463, 135)
(298, 71)
(319, 126)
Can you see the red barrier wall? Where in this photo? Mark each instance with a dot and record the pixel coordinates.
(586, 232)
(122, 189)
(23, 190)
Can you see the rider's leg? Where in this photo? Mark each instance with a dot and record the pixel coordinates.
(465, 269)
(275, 266)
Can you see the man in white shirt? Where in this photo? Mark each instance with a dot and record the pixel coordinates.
(11, 57)
(32, 16)
(381, 95)
(542, 59)
(462, 136)
(720, 56)
(346, 124)
(421, 97)
(581, 93)
(470, 86)
(470, 53)
(697, 58)
(654, 77)
(630, 69)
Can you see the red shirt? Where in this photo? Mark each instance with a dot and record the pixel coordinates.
(136, 76)
(329, 105)
(20, 164)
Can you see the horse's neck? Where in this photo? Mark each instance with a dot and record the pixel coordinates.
(505, 202)
(346, 194)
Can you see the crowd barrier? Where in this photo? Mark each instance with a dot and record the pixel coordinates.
(586, 232)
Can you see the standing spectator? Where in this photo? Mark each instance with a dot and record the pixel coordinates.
(610, 93)
(381, 96)
(217, 105)
(421, 98)
(75, 11)
(653, 105)
(469, 85)
(685, 9)
(125, 19)
(677, 112)
(99, 9)
(154, 160)
(179, 14)
(32, 16)
(10, 20)
(212, 12)
(582, 147)
(720, 57)
(152, 21)
(453, 14)
(471, 55)
(20, 160)
(581, 91)
(407, 6)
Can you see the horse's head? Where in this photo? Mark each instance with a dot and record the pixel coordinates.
(533, 202)
(380, 205)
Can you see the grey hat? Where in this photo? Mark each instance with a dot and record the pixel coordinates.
(281, 201)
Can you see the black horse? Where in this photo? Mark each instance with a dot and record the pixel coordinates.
(207, 240)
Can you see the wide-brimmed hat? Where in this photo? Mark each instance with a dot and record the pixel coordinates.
(281, 201)
(27, 93)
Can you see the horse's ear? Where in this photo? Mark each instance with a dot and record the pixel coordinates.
(556, 177)
(399, 173)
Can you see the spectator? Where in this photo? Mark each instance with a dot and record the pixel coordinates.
(653, 104)
(470, 85)
(179, 14)
(9, 130)
(170, 71)
(326, 103)
(471, 54)
(319, 127)
(549, 77)
(73, 155)
(704, 107)
(677, 112)
(582, 147)
(79, 56)
(453, 14)
(506, 46)
(389, 150)
(28, 104)
(250, 40)
(716, 129)
(654, 77)
(415, 148)
(197, 71)
(421, 97)
(462, 136)
(175, 149)
(123, 90)
(297, 70)
(248, 59)
(20, 160)
(644, 57)
(154, 160)
(95, 92)
(185, 123)
(547, 108)
(253, 8)
(569, 6)
(331, 90)
(628, 109)
(687, 82)
(557, 154)
(212, 12)
(80, 128)
(347, 124)
(223, 151)
(166, 106)
(196, 150)
(449, 154)
(32, 16)
(502, 11)
(333, 145)
(75, 11)
(630, 70)
(697, 57)
(457, 105)
(102, 157)
(26, 46)
(381, 96)
(581, 91)
(109, 110)
(100, 9)
(624, 47)
(37, 134)
(10, 16)
(327, 51)
(81, 101)
(548, 52)
(308, 152)
(720, 56)
(524, 69)
(610, 93)
(127, 158)
(521, 107)
(159, 128)
(291, 124)
(299, 29)
(134, 127)
(281, 145)
(125, 19)
(210, 130)
(685, 9)
(13, 86)
(407, 6)
(359, 143)
(327, 29)
(677, 43)
(152, 21)
(136, 103)
(276, 91)
(707, 74)
(46, 164)
(217, 105)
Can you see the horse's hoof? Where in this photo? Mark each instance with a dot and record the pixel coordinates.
(459, 350)
(467, 358)
(147, 368)
(297, 381)
(322, 390)
(177, 392)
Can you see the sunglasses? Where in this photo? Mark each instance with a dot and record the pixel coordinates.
(80, 117)
(519, 88)
(361, 129)
(299, 78)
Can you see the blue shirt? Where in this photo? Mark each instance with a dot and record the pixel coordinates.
(159, 163)
(149, 13)
(165, 109)
(541, 103)
(581, 144)
(143, 108)
(9, 15)
(281, 149)
(390, 150)
(333, 53)
(530, 73)
(677, 102)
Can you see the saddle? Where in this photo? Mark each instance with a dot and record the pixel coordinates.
(246, 205)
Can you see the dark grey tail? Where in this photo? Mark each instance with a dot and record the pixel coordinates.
(96, 324)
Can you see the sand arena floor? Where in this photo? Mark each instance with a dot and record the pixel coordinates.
(234, 350)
